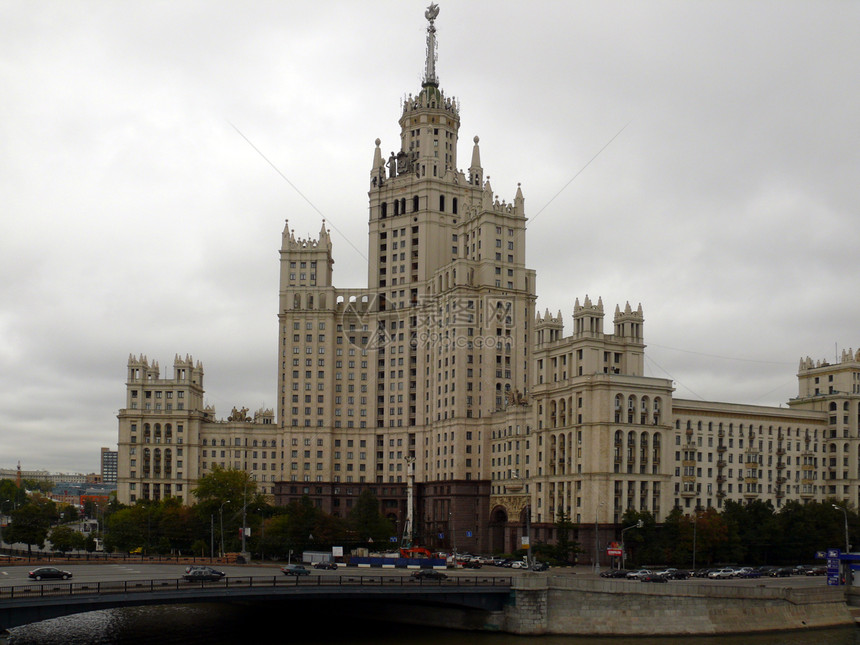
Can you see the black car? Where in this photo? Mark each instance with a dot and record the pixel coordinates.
(429, 574)
(614, 573)
(540, 566)
(677, 574)
(325, 565)
(49, 572)
(653, 577)
(295, 570)
(471, 564)
(195, 574)
(782, 572)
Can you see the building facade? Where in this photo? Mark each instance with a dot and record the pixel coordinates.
(442, 362)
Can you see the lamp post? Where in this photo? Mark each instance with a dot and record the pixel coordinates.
(221, 514)
(845, 513)
(638, 525)
(695, 522)
(596, 540)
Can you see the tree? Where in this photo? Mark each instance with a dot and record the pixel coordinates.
(62, 538)
(222, 495)
(367, 521)
(29, 525)
(566, 549)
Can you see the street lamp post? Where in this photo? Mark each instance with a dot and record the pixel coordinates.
(596, 540)
(845, 513)
(221, 513)
(638, 525)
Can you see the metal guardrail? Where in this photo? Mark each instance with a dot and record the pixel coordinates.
(43, 590)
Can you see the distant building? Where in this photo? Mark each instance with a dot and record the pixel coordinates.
(108, 466)
(443, 360)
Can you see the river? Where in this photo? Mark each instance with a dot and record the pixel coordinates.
(269, 625)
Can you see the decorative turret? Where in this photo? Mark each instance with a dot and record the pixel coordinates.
(588, 318)
(139, 369)
(476, 172)
(628, 324)
(549, 328)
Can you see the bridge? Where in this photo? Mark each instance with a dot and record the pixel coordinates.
(23, 604)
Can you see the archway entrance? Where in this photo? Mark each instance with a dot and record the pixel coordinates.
(498, 525)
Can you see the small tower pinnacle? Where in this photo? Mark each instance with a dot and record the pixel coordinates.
(430, 77)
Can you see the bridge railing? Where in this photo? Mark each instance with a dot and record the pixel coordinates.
(53, 589)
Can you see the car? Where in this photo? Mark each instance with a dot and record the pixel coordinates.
(519, 564)
(653, 577)
(782, 572)
(702, 573)
(471, 564)
(41, 573)
(674, 574)
(614, 573)
(325, 565)
(721, 574)
(295, 570)
(429, 574)
(816, 571)
(747, 572)
(636, 575)
(681, 574)
(197, 573)
(540, 566)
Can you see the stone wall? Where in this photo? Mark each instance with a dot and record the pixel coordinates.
(566, 605)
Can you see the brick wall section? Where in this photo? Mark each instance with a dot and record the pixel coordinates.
(565, 605)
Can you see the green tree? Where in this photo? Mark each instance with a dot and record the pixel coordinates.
(29, 525)
(222, 495)
(566, 548)
(367, 521)
(62, 538)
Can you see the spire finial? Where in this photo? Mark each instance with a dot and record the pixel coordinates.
(430, 65)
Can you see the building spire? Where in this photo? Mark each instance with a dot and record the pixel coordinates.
(430, 77)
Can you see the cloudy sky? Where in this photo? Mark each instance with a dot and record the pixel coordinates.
(700, 158)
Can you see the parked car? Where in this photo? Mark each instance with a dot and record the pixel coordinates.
(540, 566)
(611, 573)
(747, 572)
(472, 564)
(41, 573)
(721, 574)
(295, 570)
(782, 572)
(614, 573)
(196, 573)
(816, 571)
(325, 565)
(636, 575)
(653, 577)
(703, 573)
(519, 564)
(675, 574)
(429, 574)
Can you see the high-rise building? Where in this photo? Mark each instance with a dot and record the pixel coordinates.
(440, 367)
(108, 465)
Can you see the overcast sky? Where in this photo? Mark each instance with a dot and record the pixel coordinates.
(142, 209)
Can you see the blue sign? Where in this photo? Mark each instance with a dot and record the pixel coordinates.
(441, 536)
(468, 534)
(833, 576)
(392, 539)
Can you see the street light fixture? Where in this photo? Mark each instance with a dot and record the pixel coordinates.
(638, 525)
(845, 513)
(221, 513)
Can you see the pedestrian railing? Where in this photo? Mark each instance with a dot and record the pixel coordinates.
(48, 589)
